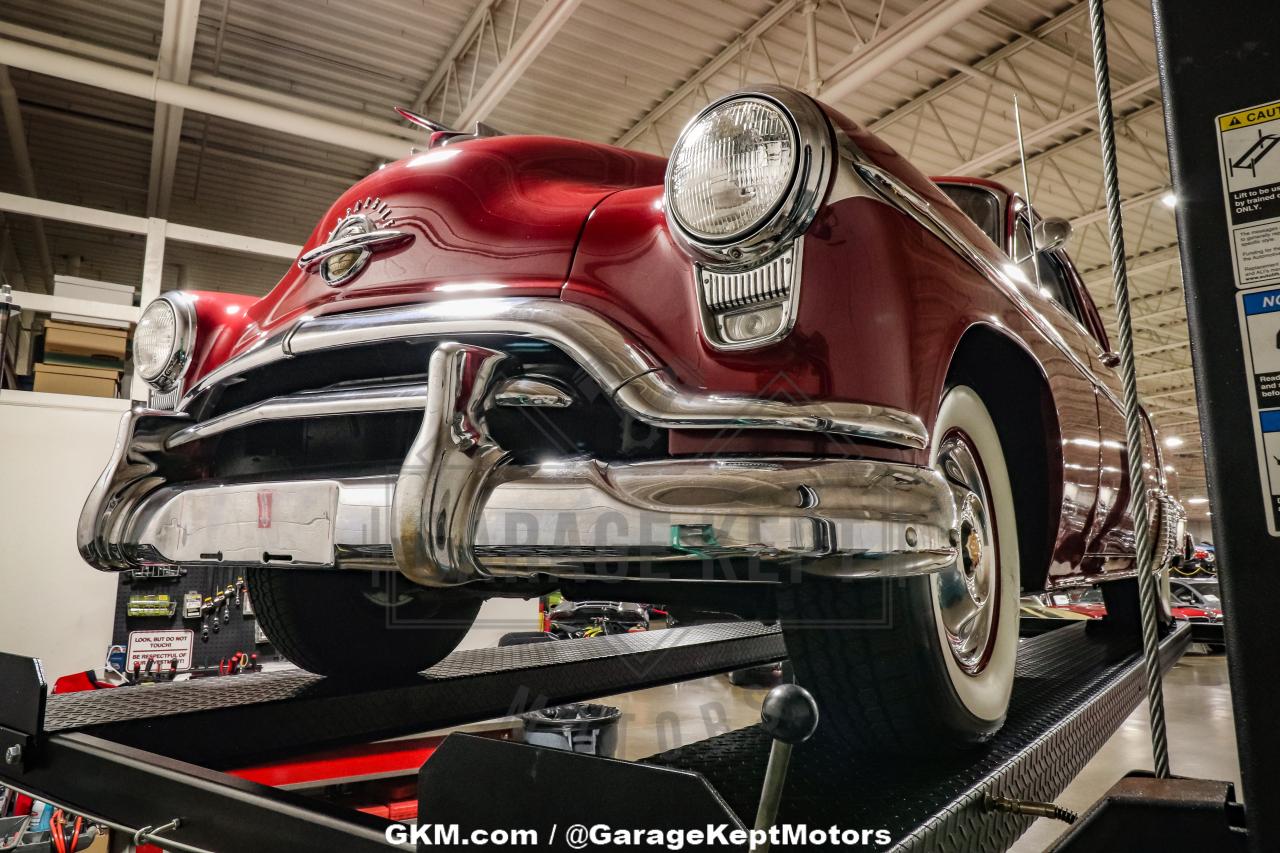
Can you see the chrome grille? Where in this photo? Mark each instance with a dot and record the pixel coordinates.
(1172, 524)
(770, 282)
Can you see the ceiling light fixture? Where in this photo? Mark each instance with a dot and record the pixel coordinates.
(1173, 441)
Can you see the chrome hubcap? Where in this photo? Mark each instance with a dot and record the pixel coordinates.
(968, 592)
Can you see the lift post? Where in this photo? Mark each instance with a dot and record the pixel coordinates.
(1217, 76)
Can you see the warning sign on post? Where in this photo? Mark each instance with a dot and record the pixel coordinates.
(162, 646)
(1249, 150)
(1249, 145)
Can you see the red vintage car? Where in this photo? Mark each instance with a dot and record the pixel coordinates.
(783, 359)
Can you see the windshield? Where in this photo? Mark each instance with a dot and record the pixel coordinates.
(981, 205)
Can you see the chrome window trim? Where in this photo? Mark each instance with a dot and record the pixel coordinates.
(617, 363)
(795, 211)
(184, 338)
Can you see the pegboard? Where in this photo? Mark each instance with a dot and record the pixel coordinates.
(237, 635)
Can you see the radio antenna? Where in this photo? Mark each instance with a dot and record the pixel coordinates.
(1026, 191)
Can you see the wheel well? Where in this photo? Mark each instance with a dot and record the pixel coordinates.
(1021, 405)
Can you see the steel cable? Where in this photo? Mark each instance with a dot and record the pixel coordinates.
(1128, 374)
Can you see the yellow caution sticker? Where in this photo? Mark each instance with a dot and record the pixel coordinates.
(1253, 115)
(1249, 163)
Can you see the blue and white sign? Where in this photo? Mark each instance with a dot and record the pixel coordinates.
(1260, 326)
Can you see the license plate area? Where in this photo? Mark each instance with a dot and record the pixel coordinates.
(285, 524)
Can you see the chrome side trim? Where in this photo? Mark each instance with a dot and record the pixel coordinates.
(654, 400)
(307, 404)
(1004, 277)
(616, 362)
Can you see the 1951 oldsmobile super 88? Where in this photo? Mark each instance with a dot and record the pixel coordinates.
(783, 359)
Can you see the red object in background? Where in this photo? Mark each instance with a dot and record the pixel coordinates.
(1085, 608)
(78, 681)
(344, 763)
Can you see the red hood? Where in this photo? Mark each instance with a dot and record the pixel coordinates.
(497, 215)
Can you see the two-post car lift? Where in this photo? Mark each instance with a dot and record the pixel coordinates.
(150, 760)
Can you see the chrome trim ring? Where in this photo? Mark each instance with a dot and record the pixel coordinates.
(797, 207)
(969, 590)
(184, 337)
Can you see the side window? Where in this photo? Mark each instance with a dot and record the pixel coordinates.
(1183, 595)
(1055, 282)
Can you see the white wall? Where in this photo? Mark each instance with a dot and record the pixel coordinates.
(52, 604)
(500, 616)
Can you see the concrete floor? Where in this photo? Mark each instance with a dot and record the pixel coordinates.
(1197, 701)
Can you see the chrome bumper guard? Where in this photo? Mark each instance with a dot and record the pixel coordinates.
(460, 511)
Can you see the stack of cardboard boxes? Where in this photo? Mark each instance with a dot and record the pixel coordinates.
(84, 356)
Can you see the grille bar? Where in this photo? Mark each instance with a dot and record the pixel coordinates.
(722, 291)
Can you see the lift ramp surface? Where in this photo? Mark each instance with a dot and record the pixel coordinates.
(283, 712)
(1073, 689)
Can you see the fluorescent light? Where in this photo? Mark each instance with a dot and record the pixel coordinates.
(1168, 469)
(1173, 441)
(1169, 199)
(1193, 501)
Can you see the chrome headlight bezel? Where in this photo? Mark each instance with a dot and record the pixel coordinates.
(174, 367)
(794, 211)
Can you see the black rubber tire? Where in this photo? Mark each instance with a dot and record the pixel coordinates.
(358, 625)
(872, 652)
(871, 669)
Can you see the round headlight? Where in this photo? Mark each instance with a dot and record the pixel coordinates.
(162, 340)
(748, 172)
(731, 168)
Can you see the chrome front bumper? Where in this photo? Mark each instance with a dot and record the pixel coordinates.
(460, 511)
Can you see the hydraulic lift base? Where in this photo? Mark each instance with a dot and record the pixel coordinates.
(141, 757)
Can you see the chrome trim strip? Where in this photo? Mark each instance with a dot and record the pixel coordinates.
(616, 362)
(307, 404)
(654, 400)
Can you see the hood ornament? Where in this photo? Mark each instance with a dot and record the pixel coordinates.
(365, 228)
(447, 134)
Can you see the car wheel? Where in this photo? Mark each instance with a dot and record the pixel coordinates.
(924, 663)
(358, 624)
